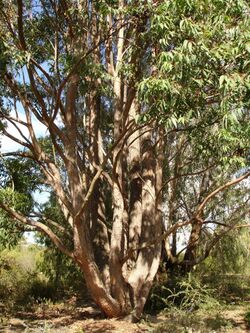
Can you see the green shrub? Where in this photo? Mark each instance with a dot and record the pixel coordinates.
(247, 318)
(179, 321)
(230, 287)
(33, 274)
(186, 293)
(41, 289)
(13, 281)
(20, 282)
(190, 294)
(60, 270)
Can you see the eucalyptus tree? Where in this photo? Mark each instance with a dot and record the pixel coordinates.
(120, 88)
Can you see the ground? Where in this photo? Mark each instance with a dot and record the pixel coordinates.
(67, 318)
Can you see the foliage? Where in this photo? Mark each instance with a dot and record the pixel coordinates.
(18, 180)
(230, 288)
(179, 321)
(20, 174)
(191, 294)
(227, 269)
(222, 277)
(200, 81)
(231, 255)
(247, 318)
(10, 231)
(26, 280)
(62, 273)
(20, 281)
(184, 293)
(57, 267)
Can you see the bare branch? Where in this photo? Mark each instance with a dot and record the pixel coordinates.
(53, 223)
(38, 226)
(20, 24)
(195, 173)
(219, 189)
(13, 138)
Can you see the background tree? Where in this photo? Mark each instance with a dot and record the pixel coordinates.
(19, 179)
(134, 99)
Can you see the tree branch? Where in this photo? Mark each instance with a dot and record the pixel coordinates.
(38, 226)
(219, 189)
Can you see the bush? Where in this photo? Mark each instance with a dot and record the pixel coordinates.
(185, 293)
(230, 287)
(62, 273)
(41, 289)
(247, 318)
(33, 274)
(178, 321)
(13, 281)
(20, 282)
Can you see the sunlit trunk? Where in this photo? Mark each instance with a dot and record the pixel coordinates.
(84, 256)
(192, 247)
(147, 263)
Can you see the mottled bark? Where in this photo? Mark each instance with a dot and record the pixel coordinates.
(98, 228)
(147, 263)
(135, 186)
(119, 288)
(84, 256)
(192, 247)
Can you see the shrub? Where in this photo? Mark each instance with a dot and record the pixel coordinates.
(60, 271)
(230, 287)
(178, 321)
(186, 293)
(14, 281)
(247, 318)
(20, 282)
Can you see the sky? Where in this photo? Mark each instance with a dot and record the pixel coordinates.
(8, 145)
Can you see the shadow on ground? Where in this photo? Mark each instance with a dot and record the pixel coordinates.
(64, 318)
(60, 319)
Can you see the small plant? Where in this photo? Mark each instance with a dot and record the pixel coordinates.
(247, 318)
(179, 321)
(191, 294)
(186, 294)
(79, 330)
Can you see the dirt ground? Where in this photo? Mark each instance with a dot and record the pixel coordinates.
(63, 318)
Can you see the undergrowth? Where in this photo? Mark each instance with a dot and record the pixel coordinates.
(184, 293)
(180, 321)
(247, 318)
(195, 304)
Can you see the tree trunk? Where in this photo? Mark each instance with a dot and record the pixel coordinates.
(193, 242)
(84, 256)
(147, 263)
(135, 186)
(192, 247)
(98, 228)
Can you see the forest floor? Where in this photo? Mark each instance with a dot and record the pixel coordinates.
(67, 318)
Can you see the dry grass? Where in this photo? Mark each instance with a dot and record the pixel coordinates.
(70, 318)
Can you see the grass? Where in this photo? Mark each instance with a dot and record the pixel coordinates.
(193, 306)
(200, 321)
